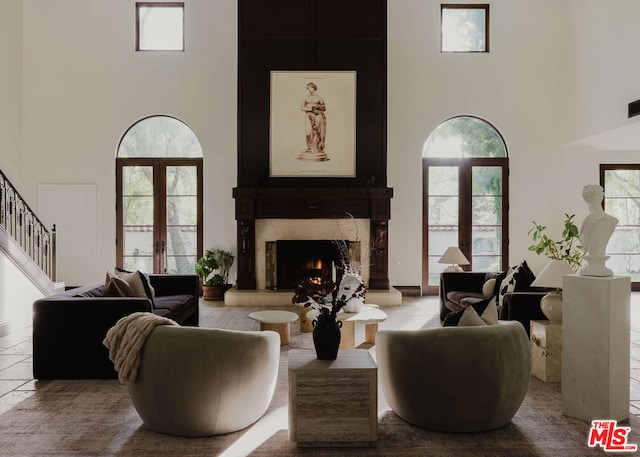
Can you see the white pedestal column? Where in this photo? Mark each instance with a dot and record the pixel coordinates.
(595, 347)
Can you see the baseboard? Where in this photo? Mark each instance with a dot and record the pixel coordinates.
(409, 291)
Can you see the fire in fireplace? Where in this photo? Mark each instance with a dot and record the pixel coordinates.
(290, 261)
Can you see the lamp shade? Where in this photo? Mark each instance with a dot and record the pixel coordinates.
(453, 255)
(552, 273)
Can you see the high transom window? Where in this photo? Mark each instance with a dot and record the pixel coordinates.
(464, 28)
(160, 26)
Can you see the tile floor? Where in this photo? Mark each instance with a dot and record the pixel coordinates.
(17, 383)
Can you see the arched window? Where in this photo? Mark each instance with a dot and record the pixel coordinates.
(159, 197)
(465, 197)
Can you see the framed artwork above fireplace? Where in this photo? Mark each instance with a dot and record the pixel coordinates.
(312, 124)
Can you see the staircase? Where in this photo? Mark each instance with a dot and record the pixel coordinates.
(25, 240)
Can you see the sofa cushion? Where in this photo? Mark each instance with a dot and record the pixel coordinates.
(175, 304)
(96, 291)
(458, 296)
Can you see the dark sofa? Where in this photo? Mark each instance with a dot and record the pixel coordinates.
(68, 328)
(459, 290)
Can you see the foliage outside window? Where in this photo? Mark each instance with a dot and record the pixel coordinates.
(160, 136)
(464, 137)
(464, 28)
(160, 26)
(621, 185)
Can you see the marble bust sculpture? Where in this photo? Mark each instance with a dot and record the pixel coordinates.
(595, 232)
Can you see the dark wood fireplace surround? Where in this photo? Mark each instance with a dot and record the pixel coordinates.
(312, 35)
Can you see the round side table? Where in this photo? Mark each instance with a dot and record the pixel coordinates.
(277, 321)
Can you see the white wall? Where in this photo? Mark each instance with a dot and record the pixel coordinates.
(515, 87)
(523, 87)
(17, 295)
(84, 86)
(601, 69)
(541, 86)
(11, 90)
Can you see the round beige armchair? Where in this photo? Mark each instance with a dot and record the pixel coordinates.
(455, 379)
(198, 381)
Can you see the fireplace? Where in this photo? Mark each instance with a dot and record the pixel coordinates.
(288, 262)
(272, 214)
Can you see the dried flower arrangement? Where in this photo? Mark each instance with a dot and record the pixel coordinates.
(312, 293)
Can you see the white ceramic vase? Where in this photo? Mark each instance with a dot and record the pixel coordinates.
(348, 285)
(551, 306)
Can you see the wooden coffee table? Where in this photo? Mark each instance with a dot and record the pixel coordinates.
(277, 321)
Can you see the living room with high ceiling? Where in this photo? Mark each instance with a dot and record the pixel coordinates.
(555, 84)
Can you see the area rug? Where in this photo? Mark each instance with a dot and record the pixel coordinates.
(96, 418)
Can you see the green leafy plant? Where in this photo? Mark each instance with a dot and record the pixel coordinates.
(214, 266)
(567, 248)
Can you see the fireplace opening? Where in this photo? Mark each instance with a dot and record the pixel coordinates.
(288, 262)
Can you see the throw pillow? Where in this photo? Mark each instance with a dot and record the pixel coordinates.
(488, 288)
(452, 319)
(524, 277)
(490, 313)
(134, 280)
(499, 278)
(117, 287)
(483, 312)
(508, 284)
(470, 318)
(139, 281)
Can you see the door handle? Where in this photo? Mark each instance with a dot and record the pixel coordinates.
(165, 257)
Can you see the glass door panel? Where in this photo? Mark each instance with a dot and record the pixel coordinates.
(443, 216)
(159, 216)
(138, 218)
(181, 219)
(486, 218)
(622, 200)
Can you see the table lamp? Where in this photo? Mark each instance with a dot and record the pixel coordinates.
(551, 276)
(454, 257)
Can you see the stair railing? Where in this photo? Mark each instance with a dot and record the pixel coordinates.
(20, 222)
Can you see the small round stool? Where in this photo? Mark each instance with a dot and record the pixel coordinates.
(277, 321)
(306, 323)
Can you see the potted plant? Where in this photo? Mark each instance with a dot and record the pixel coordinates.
(213, 269)
(567, 248)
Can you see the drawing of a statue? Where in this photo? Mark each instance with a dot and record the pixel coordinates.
(315, 125)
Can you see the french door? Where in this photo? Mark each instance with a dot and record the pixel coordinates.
(621, 183)
(465, 204)
(158, 214)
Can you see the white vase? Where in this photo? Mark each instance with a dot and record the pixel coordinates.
(348, 285)
(551, 306)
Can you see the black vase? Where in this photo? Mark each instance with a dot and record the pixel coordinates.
(326, 336)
